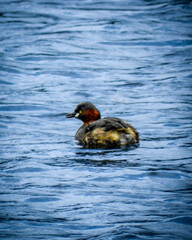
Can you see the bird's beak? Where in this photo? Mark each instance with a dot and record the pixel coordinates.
(70, 115)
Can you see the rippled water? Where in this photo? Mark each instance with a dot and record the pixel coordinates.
(133, 59)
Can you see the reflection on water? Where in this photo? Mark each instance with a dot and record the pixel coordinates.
(132, 59)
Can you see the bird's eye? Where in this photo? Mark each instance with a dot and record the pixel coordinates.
(80, 111)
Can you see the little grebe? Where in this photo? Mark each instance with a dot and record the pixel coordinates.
(97, 132)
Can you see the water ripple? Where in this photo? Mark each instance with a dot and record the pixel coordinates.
(133, 60)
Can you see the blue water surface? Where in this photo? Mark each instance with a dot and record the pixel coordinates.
(133, 60)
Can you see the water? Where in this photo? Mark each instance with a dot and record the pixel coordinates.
(133, 60)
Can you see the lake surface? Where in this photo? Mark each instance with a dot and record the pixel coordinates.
(133, 60)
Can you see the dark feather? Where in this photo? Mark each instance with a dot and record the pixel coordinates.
(108, 123)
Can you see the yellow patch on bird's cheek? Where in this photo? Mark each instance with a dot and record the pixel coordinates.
(78, 113)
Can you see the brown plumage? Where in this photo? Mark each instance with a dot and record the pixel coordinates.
(97, 132)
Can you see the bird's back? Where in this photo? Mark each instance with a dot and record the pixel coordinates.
(107, 132)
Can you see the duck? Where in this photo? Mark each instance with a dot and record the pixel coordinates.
(97, 132)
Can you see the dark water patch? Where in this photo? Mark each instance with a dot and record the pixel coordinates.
(26, 169)
(182, 220)
(106, 163)
(5, 82)
(21, 107)
(4, 117)
(176, 43)
(46, 199)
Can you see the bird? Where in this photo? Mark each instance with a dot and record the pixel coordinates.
(97, 132)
